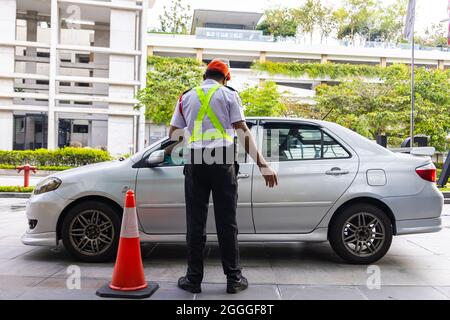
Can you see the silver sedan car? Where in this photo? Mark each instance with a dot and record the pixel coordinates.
(334, 185)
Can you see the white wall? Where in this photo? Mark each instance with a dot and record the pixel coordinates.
(7, 34)
(122, 36)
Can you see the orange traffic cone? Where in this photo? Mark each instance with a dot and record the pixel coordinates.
(128, 280)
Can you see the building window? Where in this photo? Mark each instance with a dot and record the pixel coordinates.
(30, 132)
(20, 124)
(43, 54)
(80, 128)
(83, 58)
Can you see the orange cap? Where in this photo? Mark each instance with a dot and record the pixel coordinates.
(220, 66)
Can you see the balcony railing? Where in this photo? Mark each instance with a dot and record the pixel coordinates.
(231, 34)
(257, 35)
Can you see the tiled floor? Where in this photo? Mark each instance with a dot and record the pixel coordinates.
(416, 267)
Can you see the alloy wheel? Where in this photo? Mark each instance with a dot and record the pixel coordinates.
(91, 232)
(363, 234)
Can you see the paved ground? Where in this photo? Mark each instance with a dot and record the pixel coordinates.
(416, 267)
(17, 181)
(13, 178)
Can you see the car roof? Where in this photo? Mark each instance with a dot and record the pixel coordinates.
(293, 119)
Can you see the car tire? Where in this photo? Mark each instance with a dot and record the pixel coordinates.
(90, 231)
(360, 233)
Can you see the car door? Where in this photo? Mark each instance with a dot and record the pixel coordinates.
(160, 198)
(314, 169)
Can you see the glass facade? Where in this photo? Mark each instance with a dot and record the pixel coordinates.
(30, 131)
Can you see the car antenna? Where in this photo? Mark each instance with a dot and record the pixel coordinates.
(328, 113)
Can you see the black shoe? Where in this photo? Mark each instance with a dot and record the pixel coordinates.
(235, 286)
(187, 285)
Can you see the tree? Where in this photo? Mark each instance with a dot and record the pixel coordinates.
(167, 78)
(367, 108)
(435, 36)
(375, 108)
(176, 18)
(326, 21)
(262, 101)
(356, 18)
(306, 16)
(390, 22)
(278, 23)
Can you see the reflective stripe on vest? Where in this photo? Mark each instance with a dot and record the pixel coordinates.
(205, 109)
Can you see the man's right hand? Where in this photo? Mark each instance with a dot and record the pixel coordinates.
(269, 176)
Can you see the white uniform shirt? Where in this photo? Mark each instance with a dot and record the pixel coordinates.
(225, 103)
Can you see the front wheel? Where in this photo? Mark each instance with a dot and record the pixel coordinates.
(90, 231)
(361, 234)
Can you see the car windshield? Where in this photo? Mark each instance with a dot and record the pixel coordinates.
(138, 155)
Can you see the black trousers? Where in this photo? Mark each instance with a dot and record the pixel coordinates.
(200, 181)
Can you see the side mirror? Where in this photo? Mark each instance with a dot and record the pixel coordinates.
(155, 158)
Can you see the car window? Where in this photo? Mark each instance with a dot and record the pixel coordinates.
(138, 155)
(288, 142)
(242, 156)
(173, 153)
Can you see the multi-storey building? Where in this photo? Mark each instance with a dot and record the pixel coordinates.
(69, 73)
(71, 68)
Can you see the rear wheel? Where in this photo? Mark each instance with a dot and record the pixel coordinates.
(361, 234)
(90, 231)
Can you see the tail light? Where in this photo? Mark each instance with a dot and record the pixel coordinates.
(427, 172)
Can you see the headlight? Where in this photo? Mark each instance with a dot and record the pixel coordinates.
(46, 185)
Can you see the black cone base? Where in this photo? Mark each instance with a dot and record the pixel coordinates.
(107, 292)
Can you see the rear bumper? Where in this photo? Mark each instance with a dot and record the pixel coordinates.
(426, 205)
(419, 226)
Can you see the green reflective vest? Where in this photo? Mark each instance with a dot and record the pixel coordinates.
(205, 109)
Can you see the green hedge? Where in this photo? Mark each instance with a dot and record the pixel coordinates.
(16, 189)
(322, 70)
(45, 168)
(66, 157)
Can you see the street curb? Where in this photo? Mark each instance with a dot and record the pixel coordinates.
(22, 195)
(446, 197)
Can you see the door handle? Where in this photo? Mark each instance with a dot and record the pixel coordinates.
(336, 172)
(243, 175)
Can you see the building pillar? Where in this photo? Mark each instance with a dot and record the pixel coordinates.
(440, 65)
(32, 21)
(323, 58)
(101, 39)
(7, 34)
(149, 51)
(383, 63)
(262, 57)
(54, 40)
(262, 82)
(199, 54)
(142, 138)
(121, 128)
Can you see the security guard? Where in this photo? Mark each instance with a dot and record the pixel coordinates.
(211, 113)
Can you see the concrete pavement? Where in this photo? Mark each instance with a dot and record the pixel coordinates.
(17, 181)
(416, 267)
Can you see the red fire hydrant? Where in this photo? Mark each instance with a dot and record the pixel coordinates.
(26, 169)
